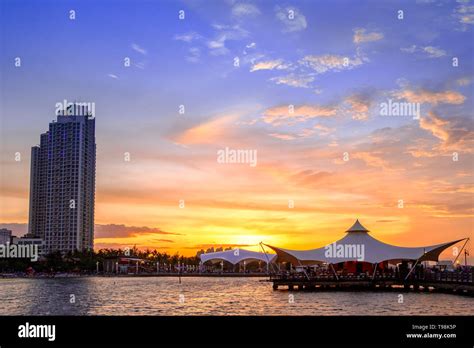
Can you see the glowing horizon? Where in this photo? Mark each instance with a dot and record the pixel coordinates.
(306, 96)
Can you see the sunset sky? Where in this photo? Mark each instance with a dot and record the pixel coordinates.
(335, 62)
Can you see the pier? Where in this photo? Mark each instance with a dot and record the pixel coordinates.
(443, 282)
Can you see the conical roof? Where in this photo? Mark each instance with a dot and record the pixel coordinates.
(357, 227)
(360, 247)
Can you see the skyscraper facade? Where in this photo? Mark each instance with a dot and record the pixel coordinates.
(62, 184)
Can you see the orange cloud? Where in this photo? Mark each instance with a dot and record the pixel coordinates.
(323, 130)
(428, 97)
(456, 134)
(359, 106)
(121, 231)
(280, 114)
(361, 35)
(208, 132)
(282, 136)
(436, 125)
(372, 159)
(267, 65)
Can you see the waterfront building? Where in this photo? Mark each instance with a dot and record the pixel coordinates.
(359, 252)
(127, 265)
(237, 257)
(5, 236)
(62, 184)
(30, 241)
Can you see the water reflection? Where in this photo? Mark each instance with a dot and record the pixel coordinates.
(207, 296)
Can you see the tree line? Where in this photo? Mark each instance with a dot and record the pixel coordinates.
(86, 261)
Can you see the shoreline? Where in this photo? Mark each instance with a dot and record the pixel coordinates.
(177, 275)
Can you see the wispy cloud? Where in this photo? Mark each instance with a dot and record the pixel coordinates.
(268, 65)
(294, 80)
(208, 132)
(361, 35)
(139, 49)
(464, 81)
(284, 114)
(217, 45)
(282, 136)
(372, 159)
(162, 240)
(435, 125)
(456, 134)
(120, 231)
(207, 246)
(430, 97)
(243, 10)
(323, 130)
(194, 55)
(359, 105)
(139, 65)
(187, 37)
(327, 62)
(429, 51)
(464, 14)
(318, 130)
(293, 20)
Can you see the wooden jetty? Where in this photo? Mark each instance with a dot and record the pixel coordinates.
(452, 283)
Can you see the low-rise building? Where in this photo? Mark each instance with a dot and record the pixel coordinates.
(5, 236)
(30, 241)
(127, 265)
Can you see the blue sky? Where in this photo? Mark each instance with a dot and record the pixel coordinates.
(282, 62)
(61, 57)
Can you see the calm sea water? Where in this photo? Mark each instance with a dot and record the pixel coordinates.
(207, 296)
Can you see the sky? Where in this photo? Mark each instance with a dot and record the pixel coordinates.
(301, 84)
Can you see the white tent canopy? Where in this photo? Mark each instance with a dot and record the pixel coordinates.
(235, 256)
(358, 245)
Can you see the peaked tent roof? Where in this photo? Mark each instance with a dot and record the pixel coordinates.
(358, 245)
(235, 256)
(357, 227)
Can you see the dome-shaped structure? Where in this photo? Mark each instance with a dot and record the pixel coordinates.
(235, 256)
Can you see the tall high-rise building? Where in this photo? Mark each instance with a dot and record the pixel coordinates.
(62, 184)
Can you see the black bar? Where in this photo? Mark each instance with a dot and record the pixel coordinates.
(210, 330)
